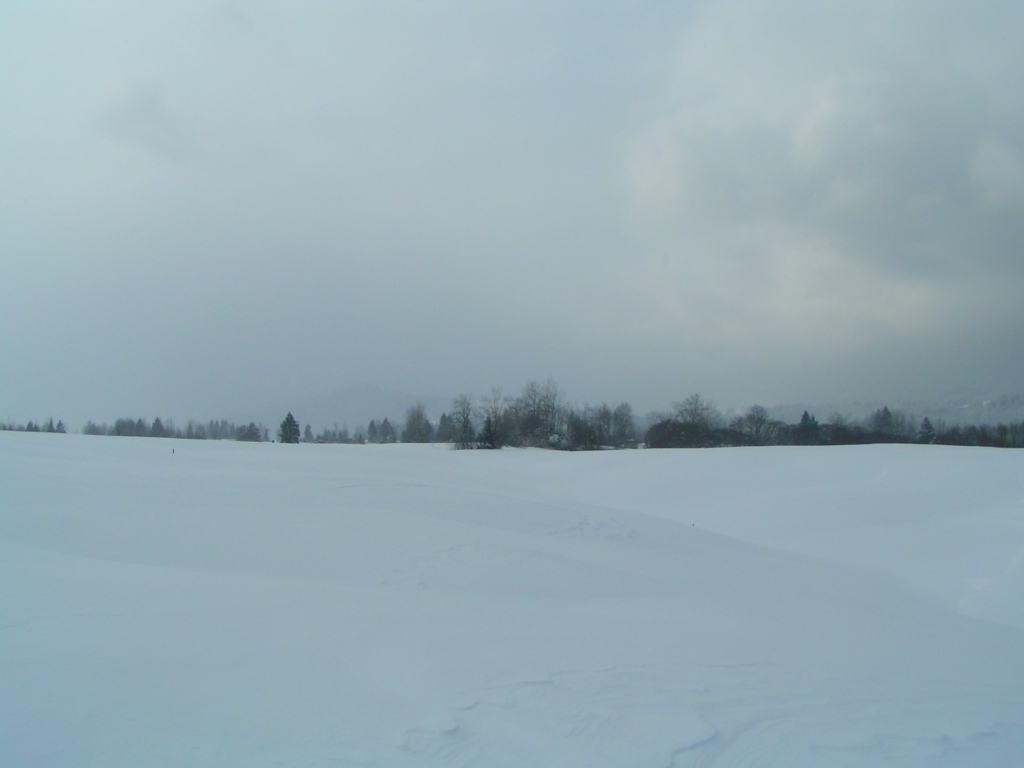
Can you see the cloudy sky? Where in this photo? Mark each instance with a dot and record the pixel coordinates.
(209, 207)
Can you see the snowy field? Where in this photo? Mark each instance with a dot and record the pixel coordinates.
(176, 603)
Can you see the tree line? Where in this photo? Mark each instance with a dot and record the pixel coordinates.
(211, 430)
(696, 423)
(31, 426)
(540, 416)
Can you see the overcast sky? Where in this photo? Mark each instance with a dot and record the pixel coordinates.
(211, 207)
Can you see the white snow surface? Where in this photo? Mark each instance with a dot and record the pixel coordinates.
(177, 603)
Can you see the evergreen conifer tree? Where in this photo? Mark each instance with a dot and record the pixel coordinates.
(289, 430)
(445, 430)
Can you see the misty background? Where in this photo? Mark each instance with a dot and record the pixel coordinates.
(225, 209)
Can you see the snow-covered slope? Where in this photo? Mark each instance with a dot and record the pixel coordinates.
(227, 604)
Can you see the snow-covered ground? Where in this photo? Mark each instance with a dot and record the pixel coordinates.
(174, 603)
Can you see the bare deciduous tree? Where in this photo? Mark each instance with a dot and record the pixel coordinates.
(541, 412)
(757, 426)
(496, 413)
(623, 426)
(698, 412)
(462, 422)
(418, 428)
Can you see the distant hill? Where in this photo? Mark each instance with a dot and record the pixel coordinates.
(956, 409)
(353, 407)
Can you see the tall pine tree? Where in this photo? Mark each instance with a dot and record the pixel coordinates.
(289, 431)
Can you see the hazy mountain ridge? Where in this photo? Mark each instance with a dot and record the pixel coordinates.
(958, 409)
(353, 407)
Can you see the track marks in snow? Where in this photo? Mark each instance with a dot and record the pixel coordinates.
(764, 727)
(592, 719)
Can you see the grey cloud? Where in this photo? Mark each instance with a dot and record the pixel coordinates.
(839, 179)
(143, 120)
(997, 173)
